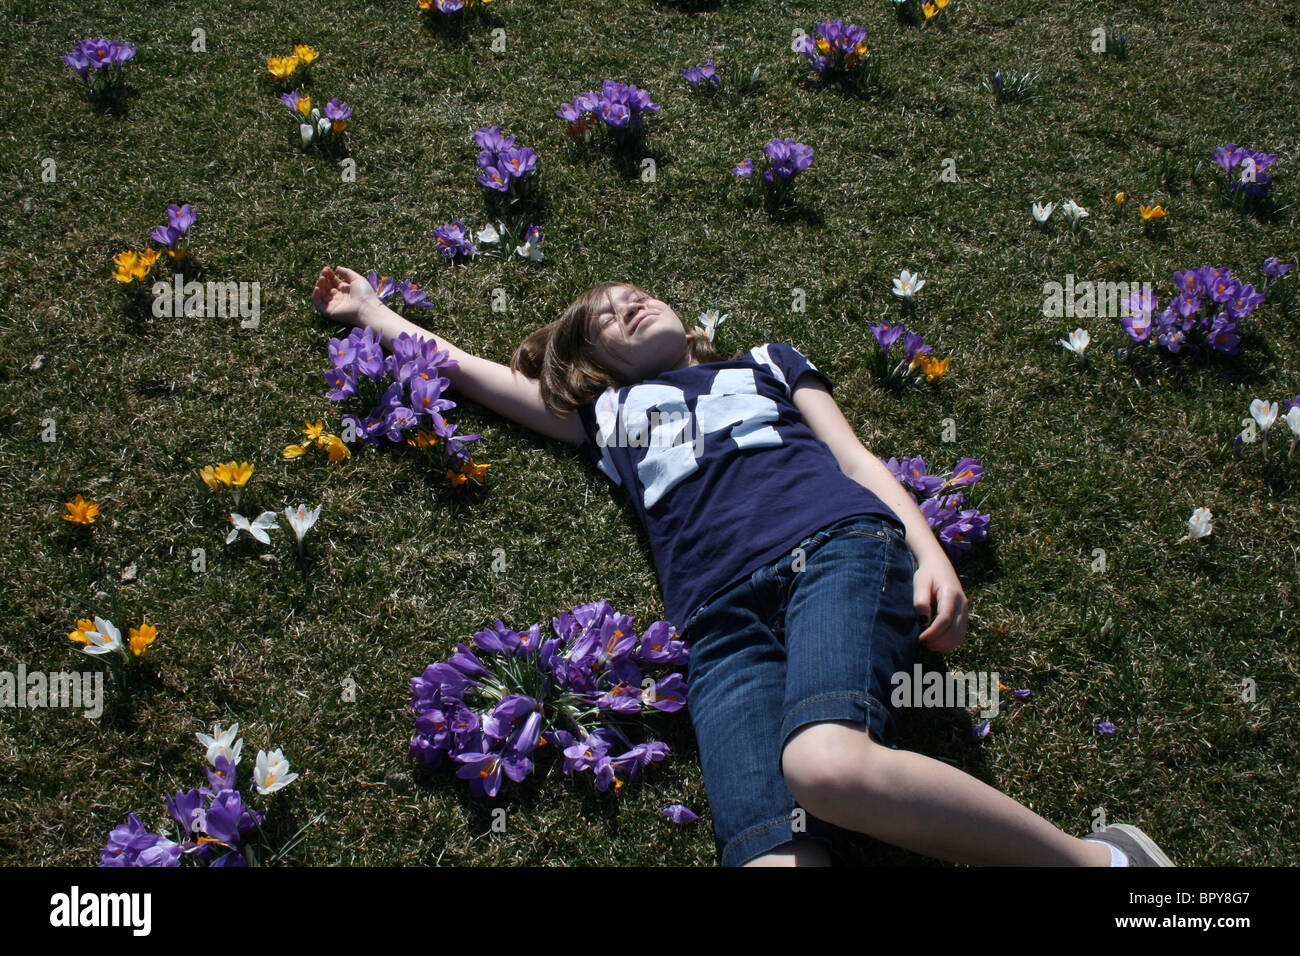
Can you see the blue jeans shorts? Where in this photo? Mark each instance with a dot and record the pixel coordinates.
(814, 636)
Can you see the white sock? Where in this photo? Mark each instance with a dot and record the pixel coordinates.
(1117, 856)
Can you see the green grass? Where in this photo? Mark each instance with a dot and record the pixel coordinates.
(1111, 455)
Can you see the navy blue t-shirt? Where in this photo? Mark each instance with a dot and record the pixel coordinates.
(722, 468)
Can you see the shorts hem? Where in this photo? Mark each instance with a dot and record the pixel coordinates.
(842, 705)
(764, 837)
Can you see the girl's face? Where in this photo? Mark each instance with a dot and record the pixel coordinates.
(640, 336)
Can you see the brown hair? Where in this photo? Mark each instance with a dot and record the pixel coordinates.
(561, 357)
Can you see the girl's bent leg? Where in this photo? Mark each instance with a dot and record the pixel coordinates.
(840, 774)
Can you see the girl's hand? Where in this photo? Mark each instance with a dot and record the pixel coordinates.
(344, 296)
(935, 583)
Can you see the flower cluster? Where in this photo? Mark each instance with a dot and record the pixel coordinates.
(839, 52)
(416, 366)
(99, 63)
(448, 7)
(392, 290)
(702, 76)
(916, 354)
(620, 106)
(133, 268)
(506, 169)
(216, 826)
(323, 129)
(532, 242)
(578, 692)
(1265, 415)
(1253, 182)
(101, 637)
(282, 68)
(1069, 208)
(174, 236)
(300, 520)
(785, 160)
(233, 475)
(454, 243)
(919, 11)
(334, 446)
(1225, 299)
(957, 527)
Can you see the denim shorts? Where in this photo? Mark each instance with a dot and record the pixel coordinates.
(814, 636)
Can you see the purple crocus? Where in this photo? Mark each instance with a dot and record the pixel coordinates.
(336, 110)
(702, 73)
(1275, 268)
(679, 814)
(453, 242)
(1103, 727)
(132, 845)
(744, 169)
(887, 334)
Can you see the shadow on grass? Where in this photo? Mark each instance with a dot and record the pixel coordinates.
(456, 28)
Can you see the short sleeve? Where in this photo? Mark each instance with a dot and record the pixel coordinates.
(599, 418)
(789, 365)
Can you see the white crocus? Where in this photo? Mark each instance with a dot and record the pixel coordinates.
(257, 528)
(307, 133)
(104, 638)
(490, 233)
(324, 125)
(301, 519)
(709, 322)
(1264, 413)
(1293, 420)
(222, 743)
(1079, 340)
(1041, 211)
(530, 251)
(907, 284)
(1073, 211)
(272, 772)
(1200, 524)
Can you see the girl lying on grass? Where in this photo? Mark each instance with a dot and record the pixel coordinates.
(796, 567)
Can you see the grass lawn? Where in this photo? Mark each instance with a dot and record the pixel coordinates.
(1112, 454)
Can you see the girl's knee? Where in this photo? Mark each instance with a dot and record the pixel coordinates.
(823, 761)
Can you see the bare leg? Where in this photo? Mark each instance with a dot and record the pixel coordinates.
(794, 853)
(839, 773)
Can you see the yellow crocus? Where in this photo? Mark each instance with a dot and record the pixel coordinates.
(282, 67)
(823, 45)
(209, 477)
(1151, 212)
(933, 368)
(338, 449)
(1119, 198)
(423, 439)
(456, 478)
(477, 472)
(304, 105)
(141, 638)
(240, 473)
(81, 511)
(79, 635)
(929, 9)
(313, 432)
(305, 54)
(222, 473)
(940, 3)
(294, 451)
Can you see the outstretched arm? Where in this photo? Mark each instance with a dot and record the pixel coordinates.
(346, 296)
(935, 582)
